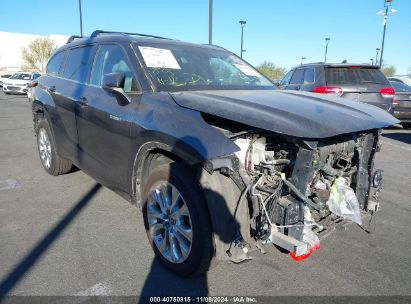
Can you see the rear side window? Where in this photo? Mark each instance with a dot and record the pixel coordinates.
(348, 75)
(55, 63)
(298, 77)
(78, 64)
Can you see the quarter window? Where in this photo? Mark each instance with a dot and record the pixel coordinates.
(111, 59)
(55, 63)
(309, 76)
(78, 64)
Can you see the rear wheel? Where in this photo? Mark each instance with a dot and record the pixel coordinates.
(177, 221)
(52, 163)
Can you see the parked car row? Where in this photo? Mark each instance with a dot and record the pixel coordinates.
(219, 160)
(3, 78)
(19, 82)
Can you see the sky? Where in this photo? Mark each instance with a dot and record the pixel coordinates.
(278, 31)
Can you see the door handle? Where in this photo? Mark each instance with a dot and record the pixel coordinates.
(52, 89)
(83, 102)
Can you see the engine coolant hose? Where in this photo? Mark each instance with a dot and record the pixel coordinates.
(300, 195)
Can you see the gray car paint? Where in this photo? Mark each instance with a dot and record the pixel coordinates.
(299, 114)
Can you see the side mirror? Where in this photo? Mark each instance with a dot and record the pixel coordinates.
(114, 83)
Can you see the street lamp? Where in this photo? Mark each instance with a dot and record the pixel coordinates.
(327, 41)
(387, 4)
(376, 55)
(81, 18)
(210, 22)
(242, 24)
(372, 61)
(302, 58)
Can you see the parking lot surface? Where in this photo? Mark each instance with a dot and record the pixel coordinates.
(67, 235)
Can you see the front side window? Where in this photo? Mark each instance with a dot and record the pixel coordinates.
(178, 67)
(111, 59)
(55, 63)
(78, 64)
(286, 79)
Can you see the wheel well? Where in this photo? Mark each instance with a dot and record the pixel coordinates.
(38, 114)
(151, 159)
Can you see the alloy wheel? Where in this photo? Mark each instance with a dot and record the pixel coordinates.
(169, 222)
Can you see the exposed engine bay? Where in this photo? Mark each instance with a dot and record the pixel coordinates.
(298, 190)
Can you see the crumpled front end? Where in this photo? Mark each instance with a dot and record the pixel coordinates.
(291, 192)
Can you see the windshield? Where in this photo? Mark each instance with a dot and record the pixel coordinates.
(186, 68)
(354, 75)
(21, 76)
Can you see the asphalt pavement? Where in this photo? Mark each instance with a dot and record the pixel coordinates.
(67, 235)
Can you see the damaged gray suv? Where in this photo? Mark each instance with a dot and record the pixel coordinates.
(219, 161)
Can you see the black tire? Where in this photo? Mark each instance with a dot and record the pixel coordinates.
(57, 164)
(406, 125)
(7, 93)
(182, 178)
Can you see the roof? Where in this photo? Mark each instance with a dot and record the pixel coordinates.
(340, 65)
(105, 36)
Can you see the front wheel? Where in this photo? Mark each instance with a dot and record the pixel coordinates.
(177, 220)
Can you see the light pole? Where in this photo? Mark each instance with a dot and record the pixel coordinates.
(81, 18)
(302, 58)
(327, 41)
(372, 61)
(242, 24)
(376, 55)
(210, 22)
(387, 4)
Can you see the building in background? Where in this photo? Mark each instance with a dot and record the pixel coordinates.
(11, 45)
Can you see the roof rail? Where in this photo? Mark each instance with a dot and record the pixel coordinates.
(71, 38)
(98, 32)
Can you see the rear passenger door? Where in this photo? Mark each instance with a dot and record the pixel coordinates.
(68, 90)
(103, 125)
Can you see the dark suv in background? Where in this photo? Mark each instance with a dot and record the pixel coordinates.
(358, 82)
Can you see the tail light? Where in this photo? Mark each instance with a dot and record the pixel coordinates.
(328, 90)
(34, 84)
(387, 92)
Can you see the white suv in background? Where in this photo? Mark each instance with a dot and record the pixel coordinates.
(18, 82)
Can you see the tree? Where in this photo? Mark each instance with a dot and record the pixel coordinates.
(271, 70)
(388, 70)
(37, 53)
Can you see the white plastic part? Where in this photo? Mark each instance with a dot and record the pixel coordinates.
(343, 201)
(243, 144)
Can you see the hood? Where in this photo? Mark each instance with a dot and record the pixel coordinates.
(300, 114)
